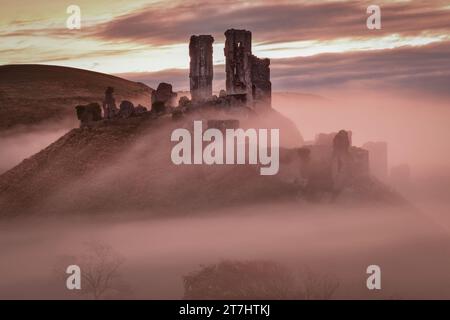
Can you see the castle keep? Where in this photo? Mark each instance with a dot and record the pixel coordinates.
(247, 76)
(201, 67)
(247, 83)
(320, 169)
(238, 48)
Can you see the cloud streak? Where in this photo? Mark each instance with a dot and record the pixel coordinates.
(425, 68)
(274, 22)
(312, 44)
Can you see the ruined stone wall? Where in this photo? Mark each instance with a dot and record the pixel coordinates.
(326, 139)
(201, 67)
(164, 94)
(88, 114)
(378, 158)
(360, 158)
(334, 164)
(238, 49)
(261, 85)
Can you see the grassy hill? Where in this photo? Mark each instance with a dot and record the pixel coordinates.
(32, 94)
(124, 165)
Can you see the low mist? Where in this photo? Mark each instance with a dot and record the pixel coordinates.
(340, 242)
(20, 143)
(411, 244)
(415, 127)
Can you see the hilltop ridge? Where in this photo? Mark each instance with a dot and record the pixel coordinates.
(124, 164)
(31, 94)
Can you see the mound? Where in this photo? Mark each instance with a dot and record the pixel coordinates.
(125, 164)
(31, 94)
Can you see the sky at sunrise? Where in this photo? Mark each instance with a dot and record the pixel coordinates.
(311, 44)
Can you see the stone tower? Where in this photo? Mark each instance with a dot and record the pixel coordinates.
(201, 67)
(261, 85)
(238, 50)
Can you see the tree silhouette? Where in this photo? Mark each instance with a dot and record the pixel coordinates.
(258, 279)
(100, 271)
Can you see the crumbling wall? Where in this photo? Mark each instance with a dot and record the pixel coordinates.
(87, 114)
(238, 49)
(201, 67)
(261, 85)
(126, 109)
(109, 104)
(163, 97)
(334, 164)
(360, 162)
(378, 159)
(341, 166)
(326, 139)
(246, 73)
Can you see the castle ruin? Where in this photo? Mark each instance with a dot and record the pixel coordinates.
(247, 76)
(238, 48)
(201, 67)
(320, 169)
(261, 85)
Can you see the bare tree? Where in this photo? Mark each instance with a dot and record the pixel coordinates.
(100, 271)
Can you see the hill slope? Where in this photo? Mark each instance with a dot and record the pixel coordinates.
(125, 164)
(31, 94)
